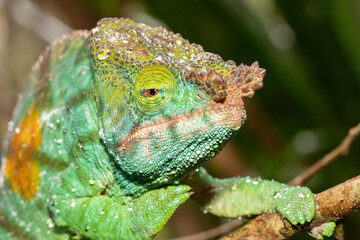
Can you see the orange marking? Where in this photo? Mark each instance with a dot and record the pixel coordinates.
(21, 169)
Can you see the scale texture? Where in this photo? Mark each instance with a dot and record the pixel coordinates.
(111, 122)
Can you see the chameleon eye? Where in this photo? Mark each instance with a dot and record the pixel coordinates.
(154, 87)
(152, 92)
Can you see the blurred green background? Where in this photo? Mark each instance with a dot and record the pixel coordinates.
(311, 94)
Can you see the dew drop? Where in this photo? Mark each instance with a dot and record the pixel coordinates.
(10, 126)
(102, 56)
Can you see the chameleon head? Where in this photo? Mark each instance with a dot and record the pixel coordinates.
(166, 106)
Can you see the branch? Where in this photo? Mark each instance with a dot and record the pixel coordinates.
(214, 232)
(268, 228)
(332, 205)
(341, 150)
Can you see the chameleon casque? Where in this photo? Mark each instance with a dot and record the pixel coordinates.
(111, 122)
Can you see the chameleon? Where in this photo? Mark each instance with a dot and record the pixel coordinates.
(112, 132)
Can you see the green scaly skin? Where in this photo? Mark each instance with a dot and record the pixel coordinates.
(122, 123)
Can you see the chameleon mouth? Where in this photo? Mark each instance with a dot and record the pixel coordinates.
(215, 115)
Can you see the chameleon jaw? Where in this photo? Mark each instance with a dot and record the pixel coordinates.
(228, 115)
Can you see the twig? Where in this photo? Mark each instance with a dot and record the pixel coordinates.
(341, 150)
(332, 205)
(214, 232)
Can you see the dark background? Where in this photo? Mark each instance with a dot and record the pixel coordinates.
(310, 49)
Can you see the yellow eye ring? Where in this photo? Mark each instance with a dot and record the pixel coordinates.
(154, 87)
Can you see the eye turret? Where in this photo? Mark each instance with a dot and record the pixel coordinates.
(154, 87)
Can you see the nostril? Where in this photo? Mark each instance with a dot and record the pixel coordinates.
(219, 83)
(219, 97)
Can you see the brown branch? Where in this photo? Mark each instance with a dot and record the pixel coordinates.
(273, 229)
(332, 205)
(341, 150)
(273, 226)
(214, 232)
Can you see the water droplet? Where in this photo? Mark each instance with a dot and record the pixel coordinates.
(103, 55)
(101, 133)
(10, 126)
(277, 195)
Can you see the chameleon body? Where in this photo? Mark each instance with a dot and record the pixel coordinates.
(110, 124)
